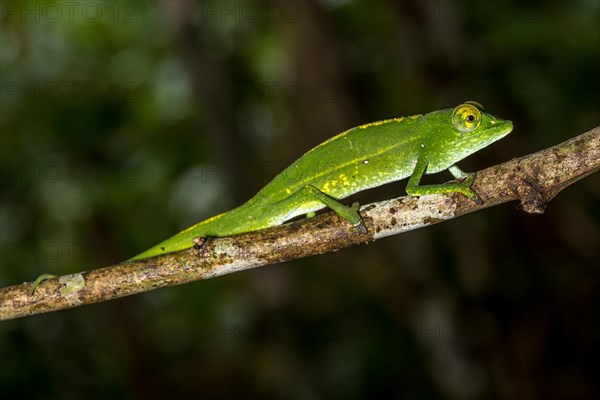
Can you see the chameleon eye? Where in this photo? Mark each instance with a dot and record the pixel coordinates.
(466, 117)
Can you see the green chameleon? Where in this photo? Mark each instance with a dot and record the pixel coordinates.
(360, 158)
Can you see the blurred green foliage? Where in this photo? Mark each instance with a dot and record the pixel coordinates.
(124, 122)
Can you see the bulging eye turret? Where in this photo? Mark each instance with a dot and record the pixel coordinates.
(466, 117)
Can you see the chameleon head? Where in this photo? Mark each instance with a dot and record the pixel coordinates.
(464, 130)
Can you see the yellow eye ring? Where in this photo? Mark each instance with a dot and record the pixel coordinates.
(466, 117)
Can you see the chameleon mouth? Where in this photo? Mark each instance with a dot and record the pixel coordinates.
(496, 131)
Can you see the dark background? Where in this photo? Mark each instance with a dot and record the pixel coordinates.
(124, 122)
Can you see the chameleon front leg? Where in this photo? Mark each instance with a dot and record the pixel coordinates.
(464, 187)
(310, 193)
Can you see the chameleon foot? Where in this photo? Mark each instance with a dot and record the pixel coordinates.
(362, 228)
(465, 188)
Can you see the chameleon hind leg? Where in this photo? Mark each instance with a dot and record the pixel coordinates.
(309, 194)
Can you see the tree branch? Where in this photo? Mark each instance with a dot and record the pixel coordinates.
(533, 180)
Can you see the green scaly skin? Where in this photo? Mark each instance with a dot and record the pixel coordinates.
(364, 157)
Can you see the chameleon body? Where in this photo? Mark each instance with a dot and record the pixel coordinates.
(360, 158)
